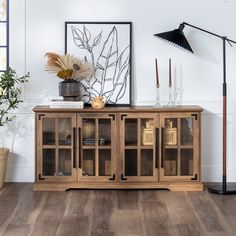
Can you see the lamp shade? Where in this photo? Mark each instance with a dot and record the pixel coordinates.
(176, 37)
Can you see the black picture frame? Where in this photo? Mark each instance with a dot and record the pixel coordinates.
(108, 47)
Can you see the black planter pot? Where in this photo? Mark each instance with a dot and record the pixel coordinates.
(70, 90)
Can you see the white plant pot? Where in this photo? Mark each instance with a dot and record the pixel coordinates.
(4, 152)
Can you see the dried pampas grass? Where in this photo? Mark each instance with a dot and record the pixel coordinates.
(84, 71)
(67, 66)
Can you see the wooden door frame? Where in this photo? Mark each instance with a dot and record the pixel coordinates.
(196, 146)
(97, 116)
(39, 151)
(138, 116)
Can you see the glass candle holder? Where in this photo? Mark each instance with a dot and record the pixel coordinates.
(180, 97)
(157, 103)
(171, 98)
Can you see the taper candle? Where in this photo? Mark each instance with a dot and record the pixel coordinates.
(157, 76)
(170, 81)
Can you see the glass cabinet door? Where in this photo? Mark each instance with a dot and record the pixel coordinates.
(57, 145)
(139, 147)
(97, 146)
(178, 147)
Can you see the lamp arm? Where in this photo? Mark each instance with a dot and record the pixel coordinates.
(208, 32)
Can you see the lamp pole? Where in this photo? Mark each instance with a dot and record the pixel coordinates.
(223, 190)
(224, 177)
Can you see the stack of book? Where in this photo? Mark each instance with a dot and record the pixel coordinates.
(89, 141)
(59, 103)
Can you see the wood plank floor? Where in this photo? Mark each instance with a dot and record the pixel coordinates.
(114, 213)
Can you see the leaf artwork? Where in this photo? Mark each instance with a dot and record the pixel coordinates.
(107, 62)
(112, 67)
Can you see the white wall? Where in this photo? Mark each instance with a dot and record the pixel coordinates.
(37, 27)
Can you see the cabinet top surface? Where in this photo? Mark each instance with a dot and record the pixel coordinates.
(121, 109)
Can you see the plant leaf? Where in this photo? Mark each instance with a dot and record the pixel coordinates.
(78, 37)
(107, 61)
(85, 60)
(97, 39)
(87, 34)
(121, 77)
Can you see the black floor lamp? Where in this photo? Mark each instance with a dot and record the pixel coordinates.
(177, 37)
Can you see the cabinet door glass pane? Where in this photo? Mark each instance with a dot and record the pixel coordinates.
(131, 132)
(48, 126)
(49, 162)
(88, 162)
(3, 34)
(88, 131)
(147, 162)
(104, 132)
(3, 10)
(170, 132)
(170, 162)
(104, 162)
(147, 131)
(186, 131)
(64, 131)
(131, 162)
(3, 56)
(64, 166)
(186, 164)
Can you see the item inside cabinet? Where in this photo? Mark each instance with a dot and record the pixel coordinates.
(147, 133)
(170, 133)
(89, 141)
(88, 128)
(88, 167)
(104, 132)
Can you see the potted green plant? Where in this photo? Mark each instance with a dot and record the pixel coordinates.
(10, 93)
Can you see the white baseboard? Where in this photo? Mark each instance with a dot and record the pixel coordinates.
(20, 174)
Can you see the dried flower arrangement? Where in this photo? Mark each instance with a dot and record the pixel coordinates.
(68, 67)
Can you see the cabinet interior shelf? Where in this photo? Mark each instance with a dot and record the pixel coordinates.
(94, 147)
(180, 146)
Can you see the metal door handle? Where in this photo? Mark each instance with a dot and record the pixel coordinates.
(74, 147)
(162, 147)
(157, 148)
(80, 147)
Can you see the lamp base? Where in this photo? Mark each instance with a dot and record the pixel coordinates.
(221, 191)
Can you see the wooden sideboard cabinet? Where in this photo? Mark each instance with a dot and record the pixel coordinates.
(118, 148)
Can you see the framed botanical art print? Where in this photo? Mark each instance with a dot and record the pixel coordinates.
(107, 46)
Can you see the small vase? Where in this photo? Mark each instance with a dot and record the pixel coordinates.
(70, 90)
(98, 103)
